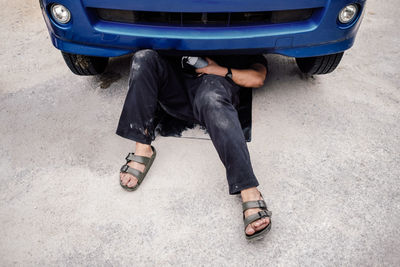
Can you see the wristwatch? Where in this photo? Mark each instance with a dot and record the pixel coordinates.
(229, 74)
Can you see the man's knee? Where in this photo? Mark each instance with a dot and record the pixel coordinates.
(144, 58)
(212, 109)
(214, 93)
(145, 64)
(208, 100)
(211, 104)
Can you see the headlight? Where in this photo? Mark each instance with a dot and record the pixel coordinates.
(348, 13)
(60, 13)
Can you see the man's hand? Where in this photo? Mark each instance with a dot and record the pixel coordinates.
(253, 77)
(213, 68)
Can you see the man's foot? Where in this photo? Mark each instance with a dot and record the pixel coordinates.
(252, 194)
(141, 150)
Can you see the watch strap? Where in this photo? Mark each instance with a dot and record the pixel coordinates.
(229, 74)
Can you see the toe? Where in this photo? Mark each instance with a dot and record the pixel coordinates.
(265, 223)
(250, 230)
(132, 182)
(256, 225)
(124, 178)
(259, 224)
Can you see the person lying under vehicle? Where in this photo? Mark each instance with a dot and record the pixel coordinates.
(207, 96)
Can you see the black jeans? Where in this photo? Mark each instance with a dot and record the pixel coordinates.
(208, 100)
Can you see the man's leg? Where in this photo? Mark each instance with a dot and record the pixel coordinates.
(152, 79)
(213, 107)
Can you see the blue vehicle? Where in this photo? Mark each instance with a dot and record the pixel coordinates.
(315, 32)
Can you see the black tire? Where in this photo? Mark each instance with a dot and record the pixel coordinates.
(319, 65)
(85, 65)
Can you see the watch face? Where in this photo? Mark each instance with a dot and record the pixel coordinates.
(229, 74)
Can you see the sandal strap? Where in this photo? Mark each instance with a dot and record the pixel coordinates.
(138, 174)
(254, 204)
(139, 159)
(256, 216)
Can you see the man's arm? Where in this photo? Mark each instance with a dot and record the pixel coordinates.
(252, 77)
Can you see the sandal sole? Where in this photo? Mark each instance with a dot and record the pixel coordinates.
(261, 234)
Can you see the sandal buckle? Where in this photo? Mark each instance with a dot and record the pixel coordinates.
(127, 158)
(124, 168)
(262, 213)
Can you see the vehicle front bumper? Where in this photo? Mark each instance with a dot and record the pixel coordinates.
(320, 35)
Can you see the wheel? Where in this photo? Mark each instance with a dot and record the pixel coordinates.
(85, 65)
(319, 65)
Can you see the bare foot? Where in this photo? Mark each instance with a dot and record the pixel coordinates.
(141, 150)
(252, 194)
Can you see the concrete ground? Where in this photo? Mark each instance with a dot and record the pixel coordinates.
(326, 151)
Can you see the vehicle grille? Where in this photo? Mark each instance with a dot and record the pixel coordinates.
(204, 19)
